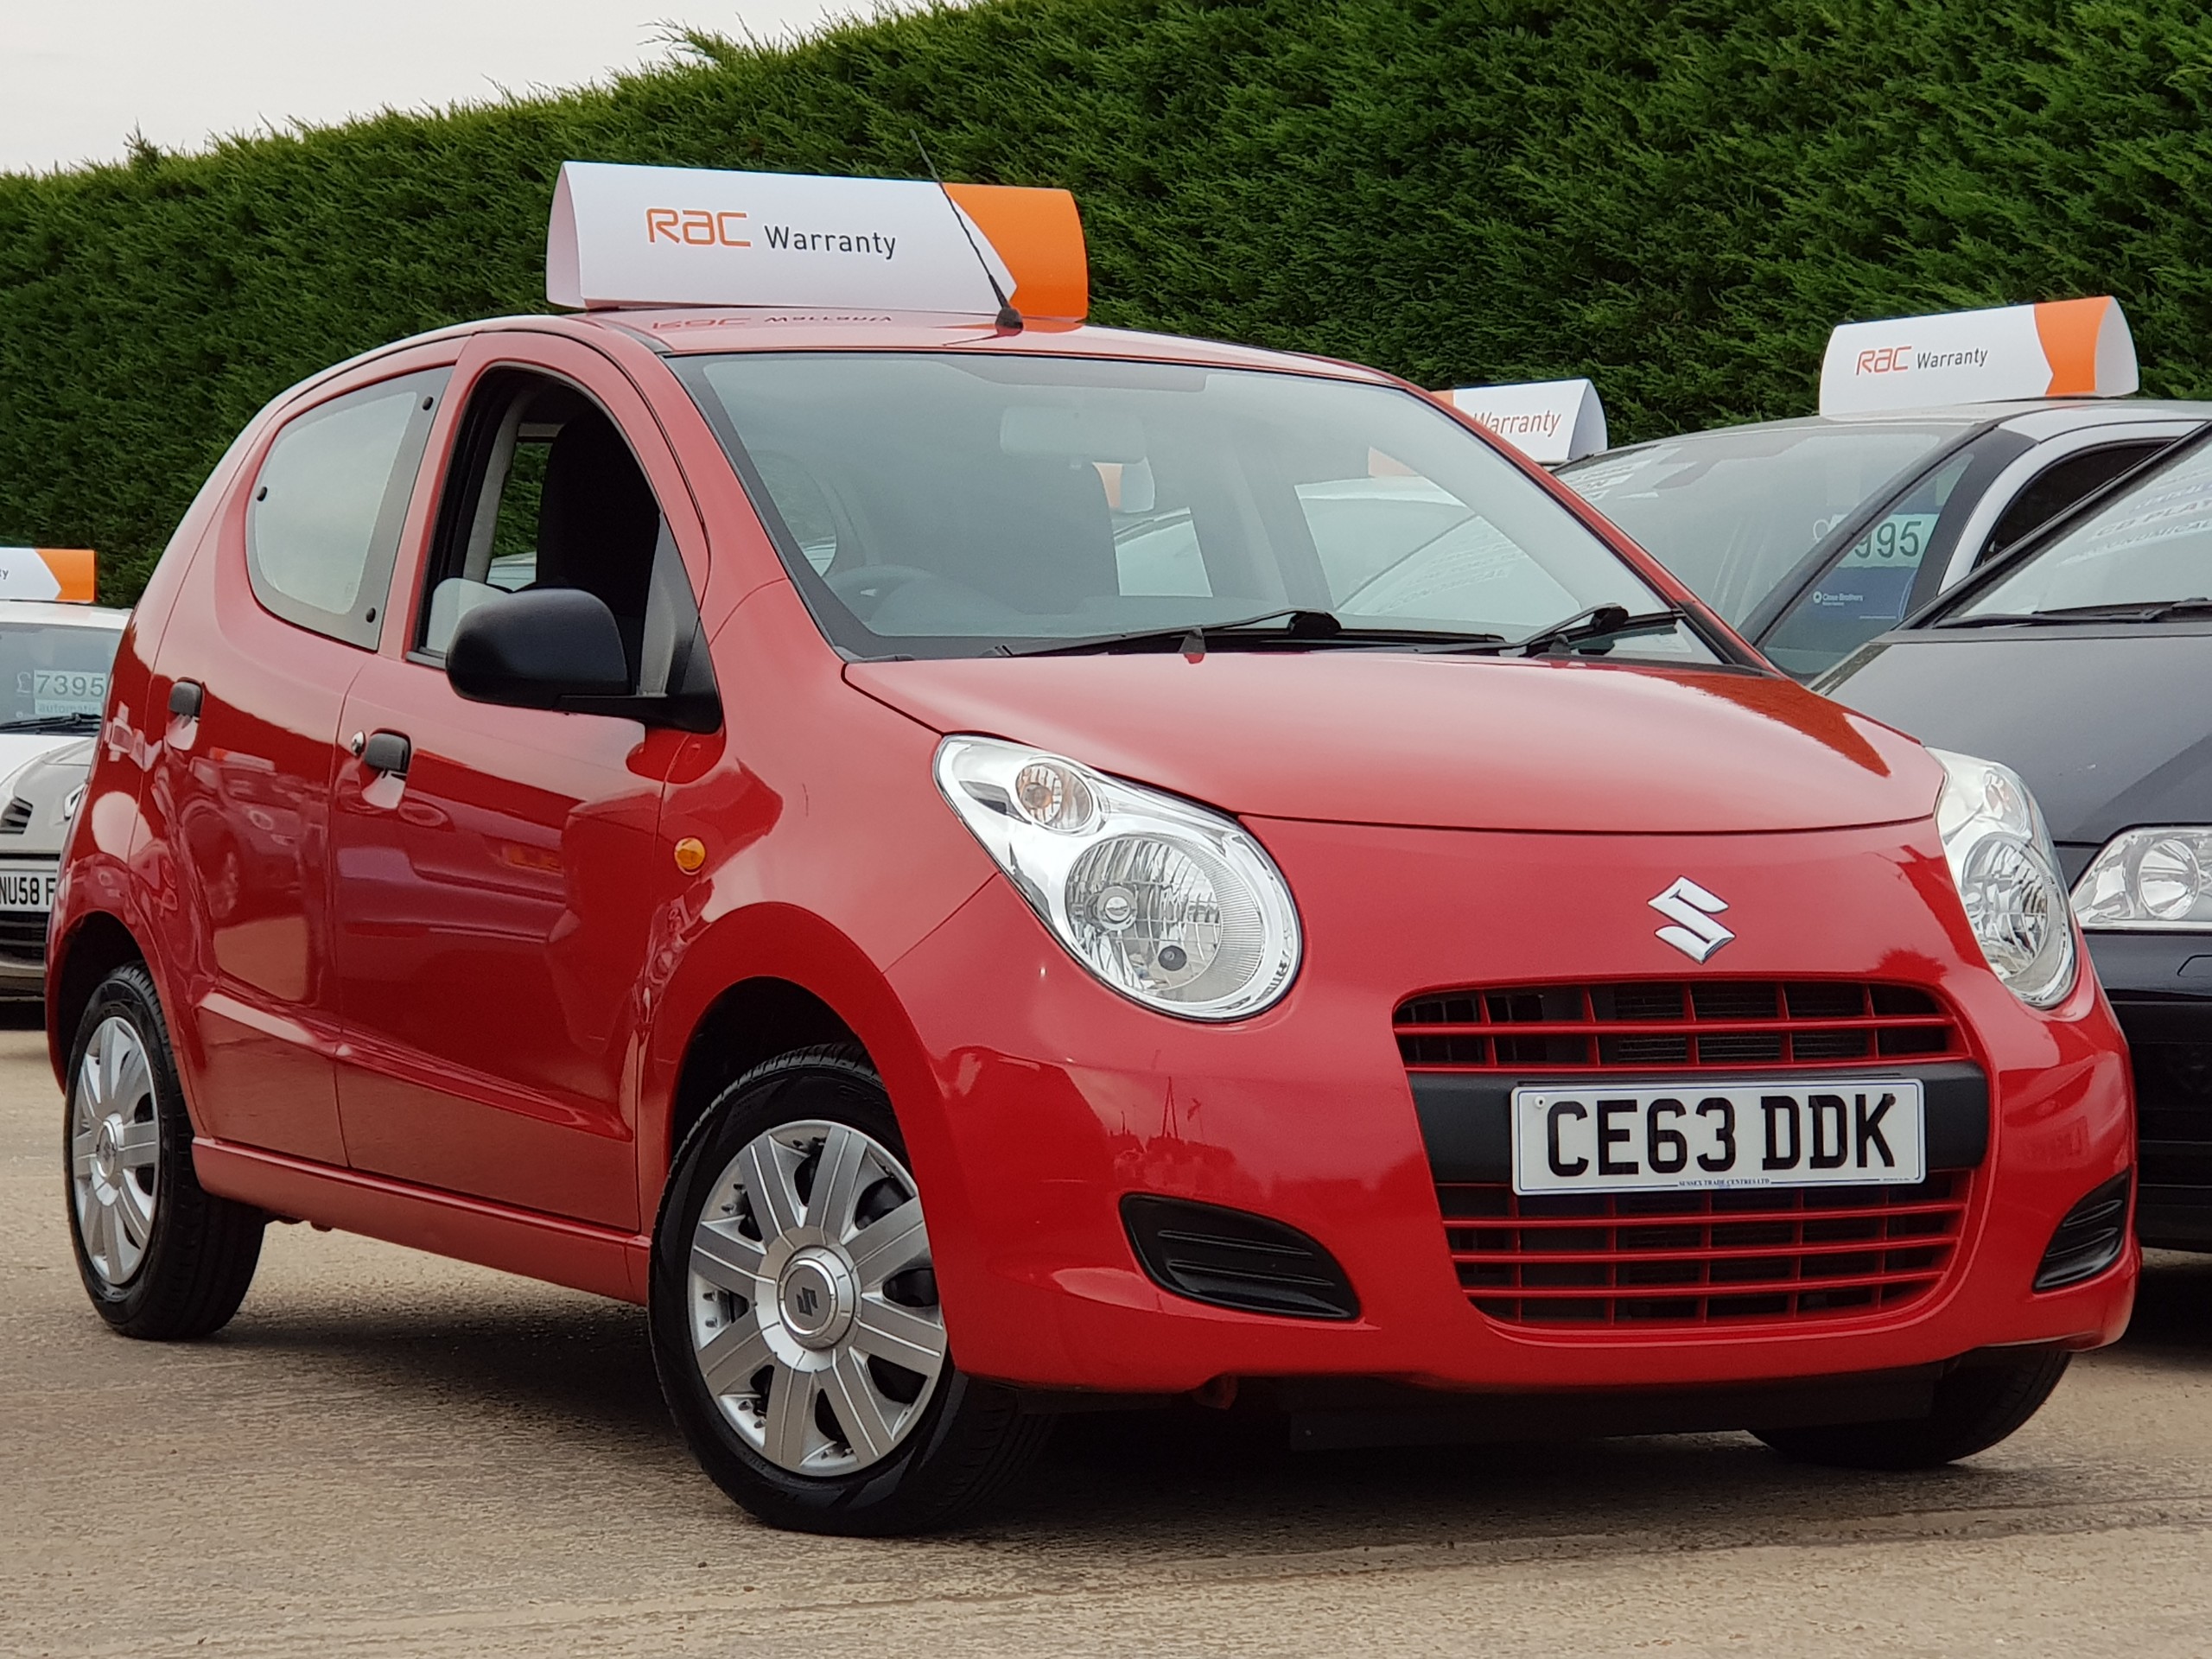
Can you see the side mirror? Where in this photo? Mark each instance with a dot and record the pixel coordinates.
(541, 650)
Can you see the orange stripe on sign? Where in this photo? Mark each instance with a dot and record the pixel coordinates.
(2068, 329)
(73, 568)
(1039, 235)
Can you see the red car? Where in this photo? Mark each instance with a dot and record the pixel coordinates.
(665, 800)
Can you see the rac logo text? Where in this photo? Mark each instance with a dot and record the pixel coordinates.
(697, 226)
(1884, 360)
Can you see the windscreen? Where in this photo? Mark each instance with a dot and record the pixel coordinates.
(2151, 545)
(932, 505)
(54, 676)
(1732, 512)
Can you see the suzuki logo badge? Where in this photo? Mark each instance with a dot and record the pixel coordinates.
(1691, 908)
(808, 1301)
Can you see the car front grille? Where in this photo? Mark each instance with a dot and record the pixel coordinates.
(16, 817)
(1673, 1259)
(22, 936)
(1700, 1024)
(1661, 1260)
(2173, 1111)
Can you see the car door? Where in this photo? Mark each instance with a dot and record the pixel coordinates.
(495, 868)
(279, 612)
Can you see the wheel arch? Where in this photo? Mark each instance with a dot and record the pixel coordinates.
(97, 945)
(757, 983)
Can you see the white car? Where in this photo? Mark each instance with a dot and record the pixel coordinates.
(54, 658)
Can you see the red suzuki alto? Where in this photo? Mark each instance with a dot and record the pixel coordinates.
(964, 861)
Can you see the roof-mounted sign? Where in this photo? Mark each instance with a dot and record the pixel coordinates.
(62, 573)
(2063, 348)
(623, 236)
(1551, 422)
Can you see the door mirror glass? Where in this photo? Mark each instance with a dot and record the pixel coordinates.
(550, 648)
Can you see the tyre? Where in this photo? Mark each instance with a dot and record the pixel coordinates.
(796, 1325)
(161, 1258)
(1976, 1405)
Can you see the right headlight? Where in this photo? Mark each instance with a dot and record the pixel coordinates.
(2007, 873)
(1168, 903)
(2150, 878)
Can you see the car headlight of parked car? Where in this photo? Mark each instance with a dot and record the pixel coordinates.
(2007, 875)
(1168, 902)
(2150, 879)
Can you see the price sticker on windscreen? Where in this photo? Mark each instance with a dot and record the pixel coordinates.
(1666, 1138)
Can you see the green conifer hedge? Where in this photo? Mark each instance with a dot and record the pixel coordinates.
(1676, 197)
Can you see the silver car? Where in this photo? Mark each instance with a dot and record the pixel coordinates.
(1813, 536)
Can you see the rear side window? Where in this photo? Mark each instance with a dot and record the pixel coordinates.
(323, 526)
(2059, 487)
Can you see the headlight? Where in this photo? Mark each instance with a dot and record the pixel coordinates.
(2001, 858)
(2149, 878)
(1168, 903)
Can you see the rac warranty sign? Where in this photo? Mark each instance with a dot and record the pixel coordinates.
(647, 236)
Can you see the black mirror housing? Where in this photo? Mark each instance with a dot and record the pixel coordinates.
(538, 650)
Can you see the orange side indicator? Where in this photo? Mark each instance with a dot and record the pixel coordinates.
(690, 854)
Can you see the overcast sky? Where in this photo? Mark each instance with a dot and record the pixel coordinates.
(77, 76)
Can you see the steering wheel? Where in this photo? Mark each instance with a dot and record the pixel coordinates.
(866, 588)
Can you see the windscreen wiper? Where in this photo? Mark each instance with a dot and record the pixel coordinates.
(76, 722)
(1302, 628)
(1599, 622)
(2062, 616)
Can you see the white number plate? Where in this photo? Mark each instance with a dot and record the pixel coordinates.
(27, 887)
(1684, 1137)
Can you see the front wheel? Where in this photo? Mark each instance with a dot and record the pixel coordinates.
(795, 1324)
(1981, 1403)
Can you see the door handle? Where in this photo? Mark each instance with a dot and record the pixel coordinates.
(184, 699)
(385, 751)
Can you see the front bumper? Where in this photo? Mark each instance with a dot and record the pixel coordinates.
(2160, 985)
(1050, 1099)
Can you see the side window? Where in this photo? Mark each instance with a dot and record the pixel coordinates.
(544, 492)
(2058, 487)
(323, 526)
(1875, 584)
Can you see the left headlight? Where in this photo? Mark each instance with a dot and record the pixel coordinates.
(2007, 875)
(1170, 903)
(2149, 878)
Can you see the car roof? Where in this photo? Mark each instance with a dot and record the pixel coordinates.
(2037, 417)
(54, 614)
(687, 331)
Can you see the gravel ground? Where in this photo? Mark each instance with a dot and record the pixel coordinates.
(387, 1454)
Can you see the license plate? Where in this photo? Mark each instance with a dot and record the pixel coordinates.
(1674, 1138)
(28, 889)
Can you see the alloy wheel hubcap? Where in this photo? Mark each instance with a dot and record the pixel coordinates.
(815, 1320)
(115, 1152)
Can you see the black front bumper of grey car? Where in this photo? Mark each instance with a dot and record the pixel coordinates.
(2161, 988)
